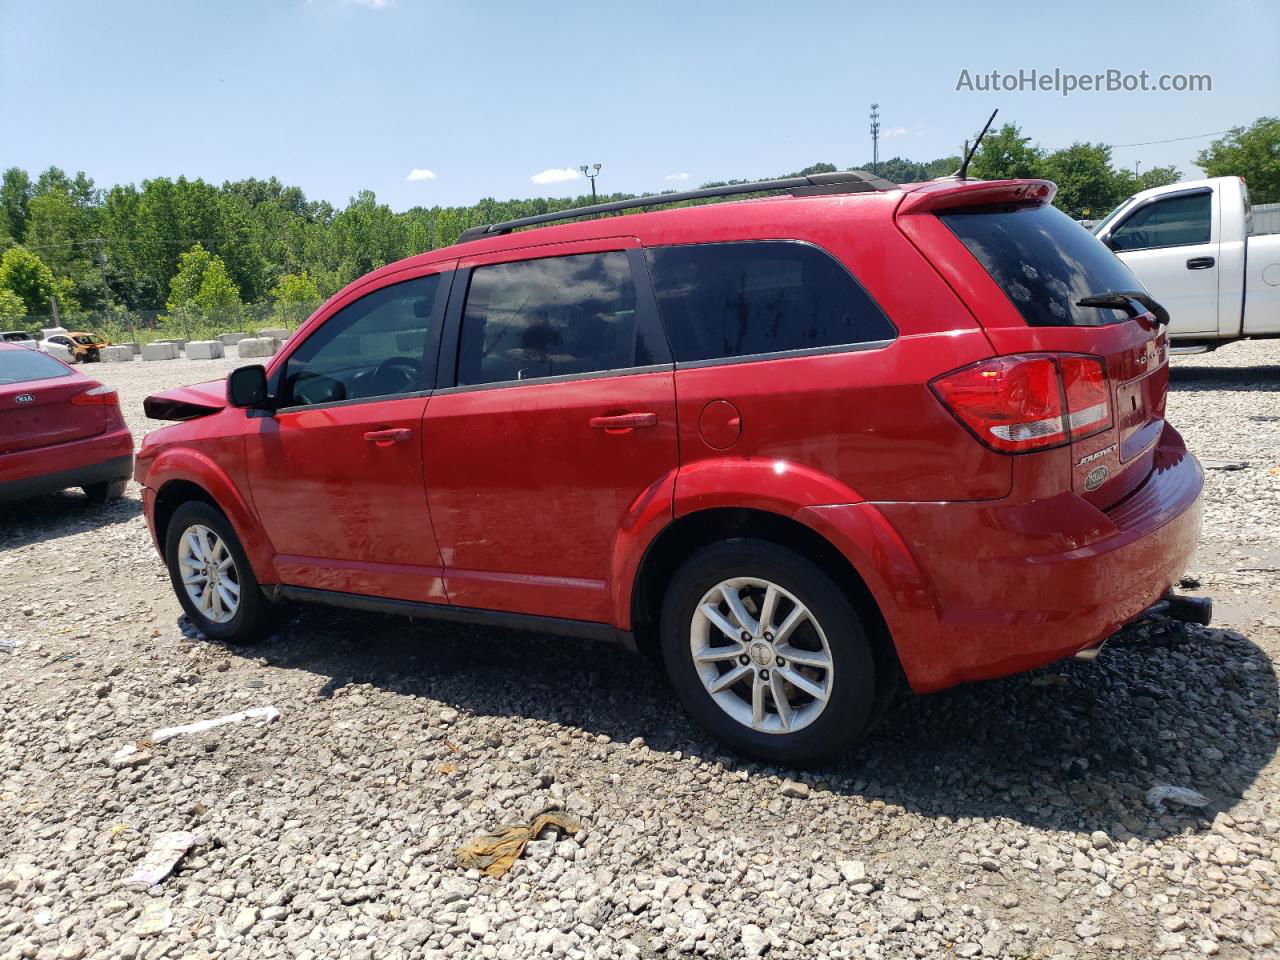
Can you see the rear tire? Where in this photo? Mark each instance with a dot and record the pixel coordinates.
(105, 490)
(740, 689)
(212, 577)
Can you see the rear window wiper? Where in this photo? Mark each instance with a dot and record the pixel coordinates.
(1124, 300)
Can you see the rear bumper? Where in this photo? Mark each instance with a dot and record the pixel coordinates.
(31, 473)
(1006, 587)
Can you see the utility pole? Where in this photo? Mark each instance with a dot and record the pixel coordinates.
(587, 172)
(875, 138)
(1137, 168)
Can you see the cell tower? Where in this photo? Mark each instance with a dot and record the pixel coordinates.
(875, 138)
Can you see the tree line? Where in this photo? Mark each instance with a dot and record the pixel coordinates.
(185, 247)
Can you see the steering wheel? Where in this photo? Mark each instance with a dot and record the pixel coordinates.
(394, 375)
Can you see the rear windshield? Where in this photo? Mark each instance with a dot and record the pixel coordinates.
(1044, 262)
(19, 366)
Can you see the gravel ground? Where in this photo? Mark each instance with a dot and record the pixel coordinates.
(1002, 819)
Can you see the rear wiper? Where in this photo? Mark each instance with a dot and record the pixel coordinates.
(1124, 300)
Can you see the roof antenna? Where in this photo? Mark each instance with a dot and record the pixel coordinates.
(963, 172)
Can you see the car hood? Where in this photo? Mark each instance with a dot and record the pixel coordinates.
(187, 403)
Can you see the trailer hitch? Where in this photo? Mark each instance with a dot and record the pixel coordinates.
(1172, 605)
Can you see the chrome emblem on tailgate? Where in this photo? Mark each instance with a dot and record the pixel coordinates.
(25, 398)
(1096, 478)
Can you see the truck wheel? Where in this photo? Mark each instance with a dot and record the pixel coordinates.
(105, 490)
(212, 577)
(766, 652)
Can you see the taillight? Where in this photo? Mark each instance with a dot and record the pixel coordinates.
(1088, 398)
(101, 395)
(1022, 403)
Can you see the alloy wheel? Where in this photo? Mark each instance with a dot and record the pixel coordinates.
(209, 573)
(761, 655)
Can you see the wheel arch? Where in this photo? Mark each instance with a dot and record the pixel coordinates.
(692, 531)
(186, 476)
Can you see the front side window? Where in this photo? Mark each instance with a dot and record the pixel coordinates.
(725, 300)
(373, 347)
(1173, 222)
(550, 317)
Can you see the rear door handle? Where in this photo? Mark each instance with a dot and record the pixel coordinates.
(384, 438)
(1200, 263)
(625, 421)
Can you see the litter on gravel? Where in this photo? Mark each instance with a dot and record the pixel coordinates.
(265, 714)
(166, 851)
(494, 853)
(1162, 793)
(156, 917)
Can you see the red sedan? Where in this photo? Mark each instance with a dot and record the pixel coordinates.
(58, 429)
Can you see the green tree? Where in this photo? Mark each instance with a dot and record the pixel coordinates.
(30, 278)
(185, 284)
(15, 199)
(1006, 154)
(12, 309)
(1087, 185)
(295, 296)
(218, 299)
(1251, 152)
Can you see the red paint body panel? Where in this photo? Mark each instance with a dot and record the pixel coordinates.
(508, 499)
(529, 516)
(45, 436)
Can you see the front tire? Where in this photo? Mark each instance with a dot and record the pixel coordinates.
(766, 653)
(212, 577)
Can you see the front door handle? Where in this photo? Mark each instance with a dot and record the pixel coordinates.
(1200, 263)
(624, 421)
(385, 438)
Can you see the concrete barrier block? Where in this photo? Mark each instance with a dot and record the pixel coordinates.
(58, 351)
(120, 353)
(277, 333)
(257, 346)
(135, 347)
(230, 339)
(160, 351)
(205, 350)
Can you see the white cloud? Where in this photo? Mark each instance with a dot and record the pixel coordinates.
(893, 132)
(556, 175)
(676, 176)
(421, 173)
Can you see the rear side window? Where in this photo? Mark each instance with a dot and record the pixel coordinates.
(1173, 222)
(19, 366)
(550, 317)
(1044, 262)
(726, 300)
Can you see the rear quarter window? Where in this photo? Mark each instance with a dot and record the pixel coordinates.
(1044, 262)
(722, 301)
(20, 366)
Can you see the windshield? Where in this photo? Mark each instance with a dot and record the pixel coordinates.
(1097, 227)
(1044, 262)
(19, 366)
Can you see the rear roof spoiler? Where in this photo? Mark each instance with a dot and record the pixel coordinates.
(950, 192)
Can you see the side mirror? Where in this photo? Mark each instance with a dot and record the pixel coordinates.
(247, 386)
(1110, 242)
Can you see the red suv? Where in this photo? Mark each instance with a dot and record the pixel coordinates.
(802, 445)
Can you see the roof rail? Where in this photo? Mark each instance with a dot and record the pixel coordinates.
(848, 181)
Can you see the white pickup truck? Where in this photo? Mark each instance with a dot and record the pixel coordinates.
(1190, 244)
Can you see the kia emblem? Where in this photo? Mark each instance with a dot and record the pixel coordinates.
(25, 398)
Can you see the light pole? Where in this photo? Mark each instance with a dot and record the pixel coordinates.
(875, 138)
(587, 171)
